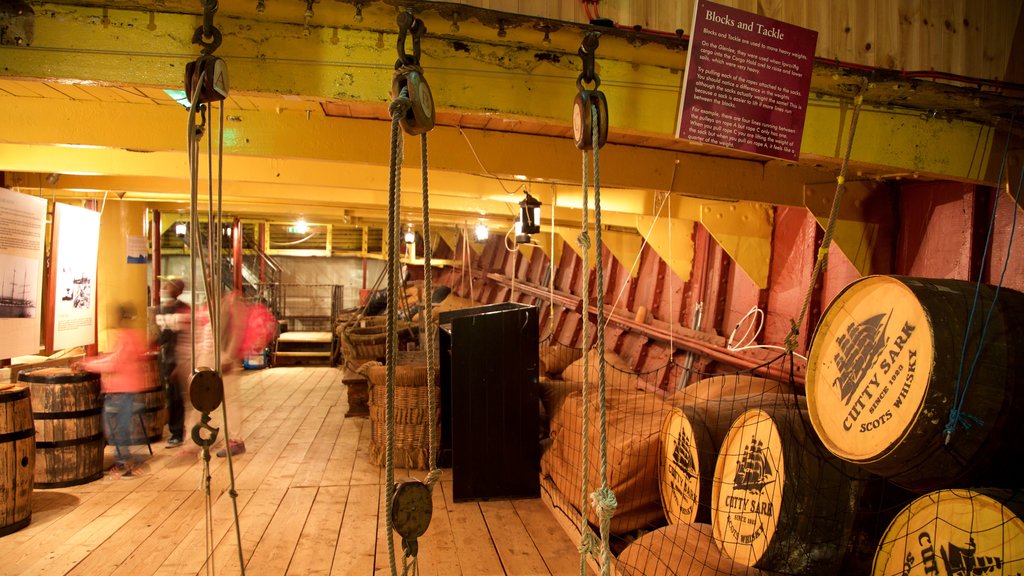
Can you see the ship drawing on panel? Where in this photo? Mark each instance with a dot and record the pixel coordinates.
(682, 460)
(15, 298)
(859, 347)
(962, 562)
(753, 472)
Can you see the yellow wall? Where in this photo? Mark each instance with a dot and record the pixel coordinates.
(117, 281)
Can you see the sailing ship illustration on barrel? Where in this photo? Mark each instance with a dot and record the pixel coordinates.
(682, 460)
(859, 348)
(962, 561)
(753, 472)
(16, 306)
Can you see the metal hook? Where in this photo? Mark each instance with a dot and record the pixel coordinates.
(587, 50)
(208, 47)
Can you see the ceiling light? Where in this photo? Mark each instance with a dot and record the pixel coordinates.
(410, 237)
(180, 229)
(300, 227)
(482, 233)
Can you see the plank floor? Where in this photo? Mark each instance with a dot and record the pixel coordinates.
(309, 502)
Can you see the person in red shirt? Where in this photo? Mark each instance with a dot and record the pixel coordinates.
(124, 376)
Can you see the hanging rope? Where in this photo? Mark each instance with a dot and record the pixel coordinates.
(428, 288)
(399, 106)
(412, 110)
(590, 125)
(587, 544)
(603, 500)
(821, 262)
(957, 417)
(204, 82)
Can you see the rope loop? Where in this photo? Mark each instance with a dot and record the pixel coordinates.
(400, 105)
(962, 419)
(589, 545)
(583, 240)
(604, 503)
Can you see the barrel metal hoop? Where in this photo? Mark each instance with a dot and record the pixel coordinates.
(67, 415)
(19, 435)
(64, 378)
(66, 483)
(66, 443)
(15, 526)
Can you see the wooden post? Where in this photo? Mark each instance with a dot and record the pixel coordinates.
(155, 228)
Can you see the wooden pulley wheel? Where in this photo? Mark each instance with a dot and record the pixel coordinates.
(411, 509)
(206, 390)
(420, 117)
(583, 122)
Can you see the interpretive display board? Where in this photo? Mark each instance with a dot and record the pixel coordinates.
(747, 81)
(76, 234)
(22, 225)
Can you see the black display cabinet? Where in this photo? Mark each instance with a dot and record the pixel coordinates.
(489, 401)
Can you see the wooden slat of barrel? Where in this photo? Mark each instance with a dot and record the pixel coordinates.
(67, 410)
(17, 459)
(882, 373)
(956, 532)
(781, 502)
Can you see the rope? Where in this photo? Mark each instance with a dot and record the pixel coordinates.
(603, 499)
(957, 417)
(399, 106)
(586, 545)
(428, 288)
(821, 262)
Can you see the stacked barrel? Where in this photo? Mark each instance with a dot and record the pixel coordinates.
(864, 465)
(900, 384)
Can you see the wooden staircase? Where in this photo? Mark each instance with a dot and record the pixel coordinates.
(305, 348)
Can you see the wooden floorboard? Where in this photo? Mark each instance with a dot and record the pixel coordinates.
(310, 502)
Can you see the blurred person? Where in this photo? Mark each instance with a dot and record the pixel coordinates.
(175, 356)
(124, 376)
(233, 323)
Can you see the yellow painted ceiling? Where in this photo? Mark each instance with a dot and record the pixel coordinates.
(306, 127)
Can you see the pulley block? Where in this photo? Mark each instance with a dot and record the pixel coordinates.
(419, 119)
(411, 510)
(583, 121)
(206, 390)
(209, 74)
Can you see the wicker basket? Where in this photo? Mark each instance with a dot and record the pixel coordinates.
(412, 415)
(370, 343)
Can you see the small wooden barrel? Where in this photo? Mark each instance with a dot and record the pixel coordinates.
(687, 467)
(17, 459)
(781, 502)
(691, 438)
(153, 402)
(955, 532)
(67, 410)
(882, 374)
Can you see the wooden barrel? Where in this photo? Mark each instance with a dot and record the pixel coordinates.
(882, 375)
(678, 550)
(17, 459)
(968, 532)
(687, 467)
(153, 405)
(67, 410)
(781, 502)
(691, 439)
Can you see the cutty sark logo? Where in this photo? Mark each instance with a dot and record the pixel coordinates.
(753, 472)
(956, 560)
(862, 344)
(682, 460)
